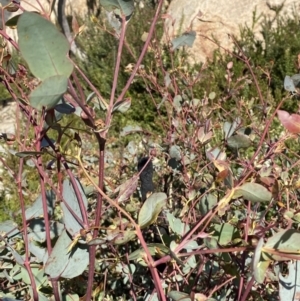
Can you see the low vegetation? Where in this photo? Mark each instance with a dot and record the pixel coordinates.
(146, 178)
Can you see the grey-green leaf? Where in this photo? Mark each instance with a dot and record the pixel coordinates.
(253, 192)
(179, 296)
(125, 6)
(62, 263)
(187, 39)
(151, 209)
(43, 47)
(49, 92)
(239, 141)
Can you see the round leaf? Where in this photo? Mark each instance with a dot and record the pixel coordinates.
(43, 47)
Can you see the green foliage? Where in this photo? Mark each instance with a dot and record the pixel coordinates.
(226, 171)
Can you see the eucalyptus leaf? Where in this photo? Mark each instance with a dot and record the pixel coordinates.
(283, 242)
(71, 223)
(239, 141)
(225, 233)
(62, 263)
(28, 154)
(179, 296)
(126, 7)
(49, 92)
(122, 106)
(43, 47)
(229, 128)
(177, 102)
(253, 192)
(289, 84)
(257, 266)
(187, 39)
(151, 209)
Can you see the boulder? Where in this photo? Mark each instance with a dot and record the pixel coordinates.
(219, 19)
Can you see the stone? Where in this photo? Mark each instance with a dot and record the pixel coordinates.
(8, 117)
(73, 7)
(219, 19)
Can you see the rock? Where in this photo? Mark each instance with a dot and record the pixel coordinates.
(72, 7)
(8, 117)
(219, 19)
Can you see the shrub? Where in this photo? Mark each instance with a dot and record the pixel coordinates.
(218, 215)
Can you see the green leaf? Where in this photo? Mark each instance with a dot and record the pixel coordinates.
(177, 103)
(175, 152)
(27, 154)
(43, 47)
(151, 209)
(177, 225)
(229, 128)
(61, 263)
(284, 242)
(187, 39)
(49, 92)
(122, 106)
(71, 223)
(153, 248)
(224, 233)
(36, 209)
(124, 237)
(289, 84)
(125, 6)
(253, 192)
(259, 267)
(239, 141)
(179, 296)
(130, 129)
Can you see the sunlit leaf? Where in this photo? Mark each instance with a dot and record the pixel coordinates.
(177, 102)
(253, 192)
(289, 122)
(179, 296)
(225, 201)
(61, 264)
(224, 233)
(69, 195)
(285, 242)
(257, 267)
(120, 7)
(177, 225)
(175, 152)
(151, 209)
(43, 47)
